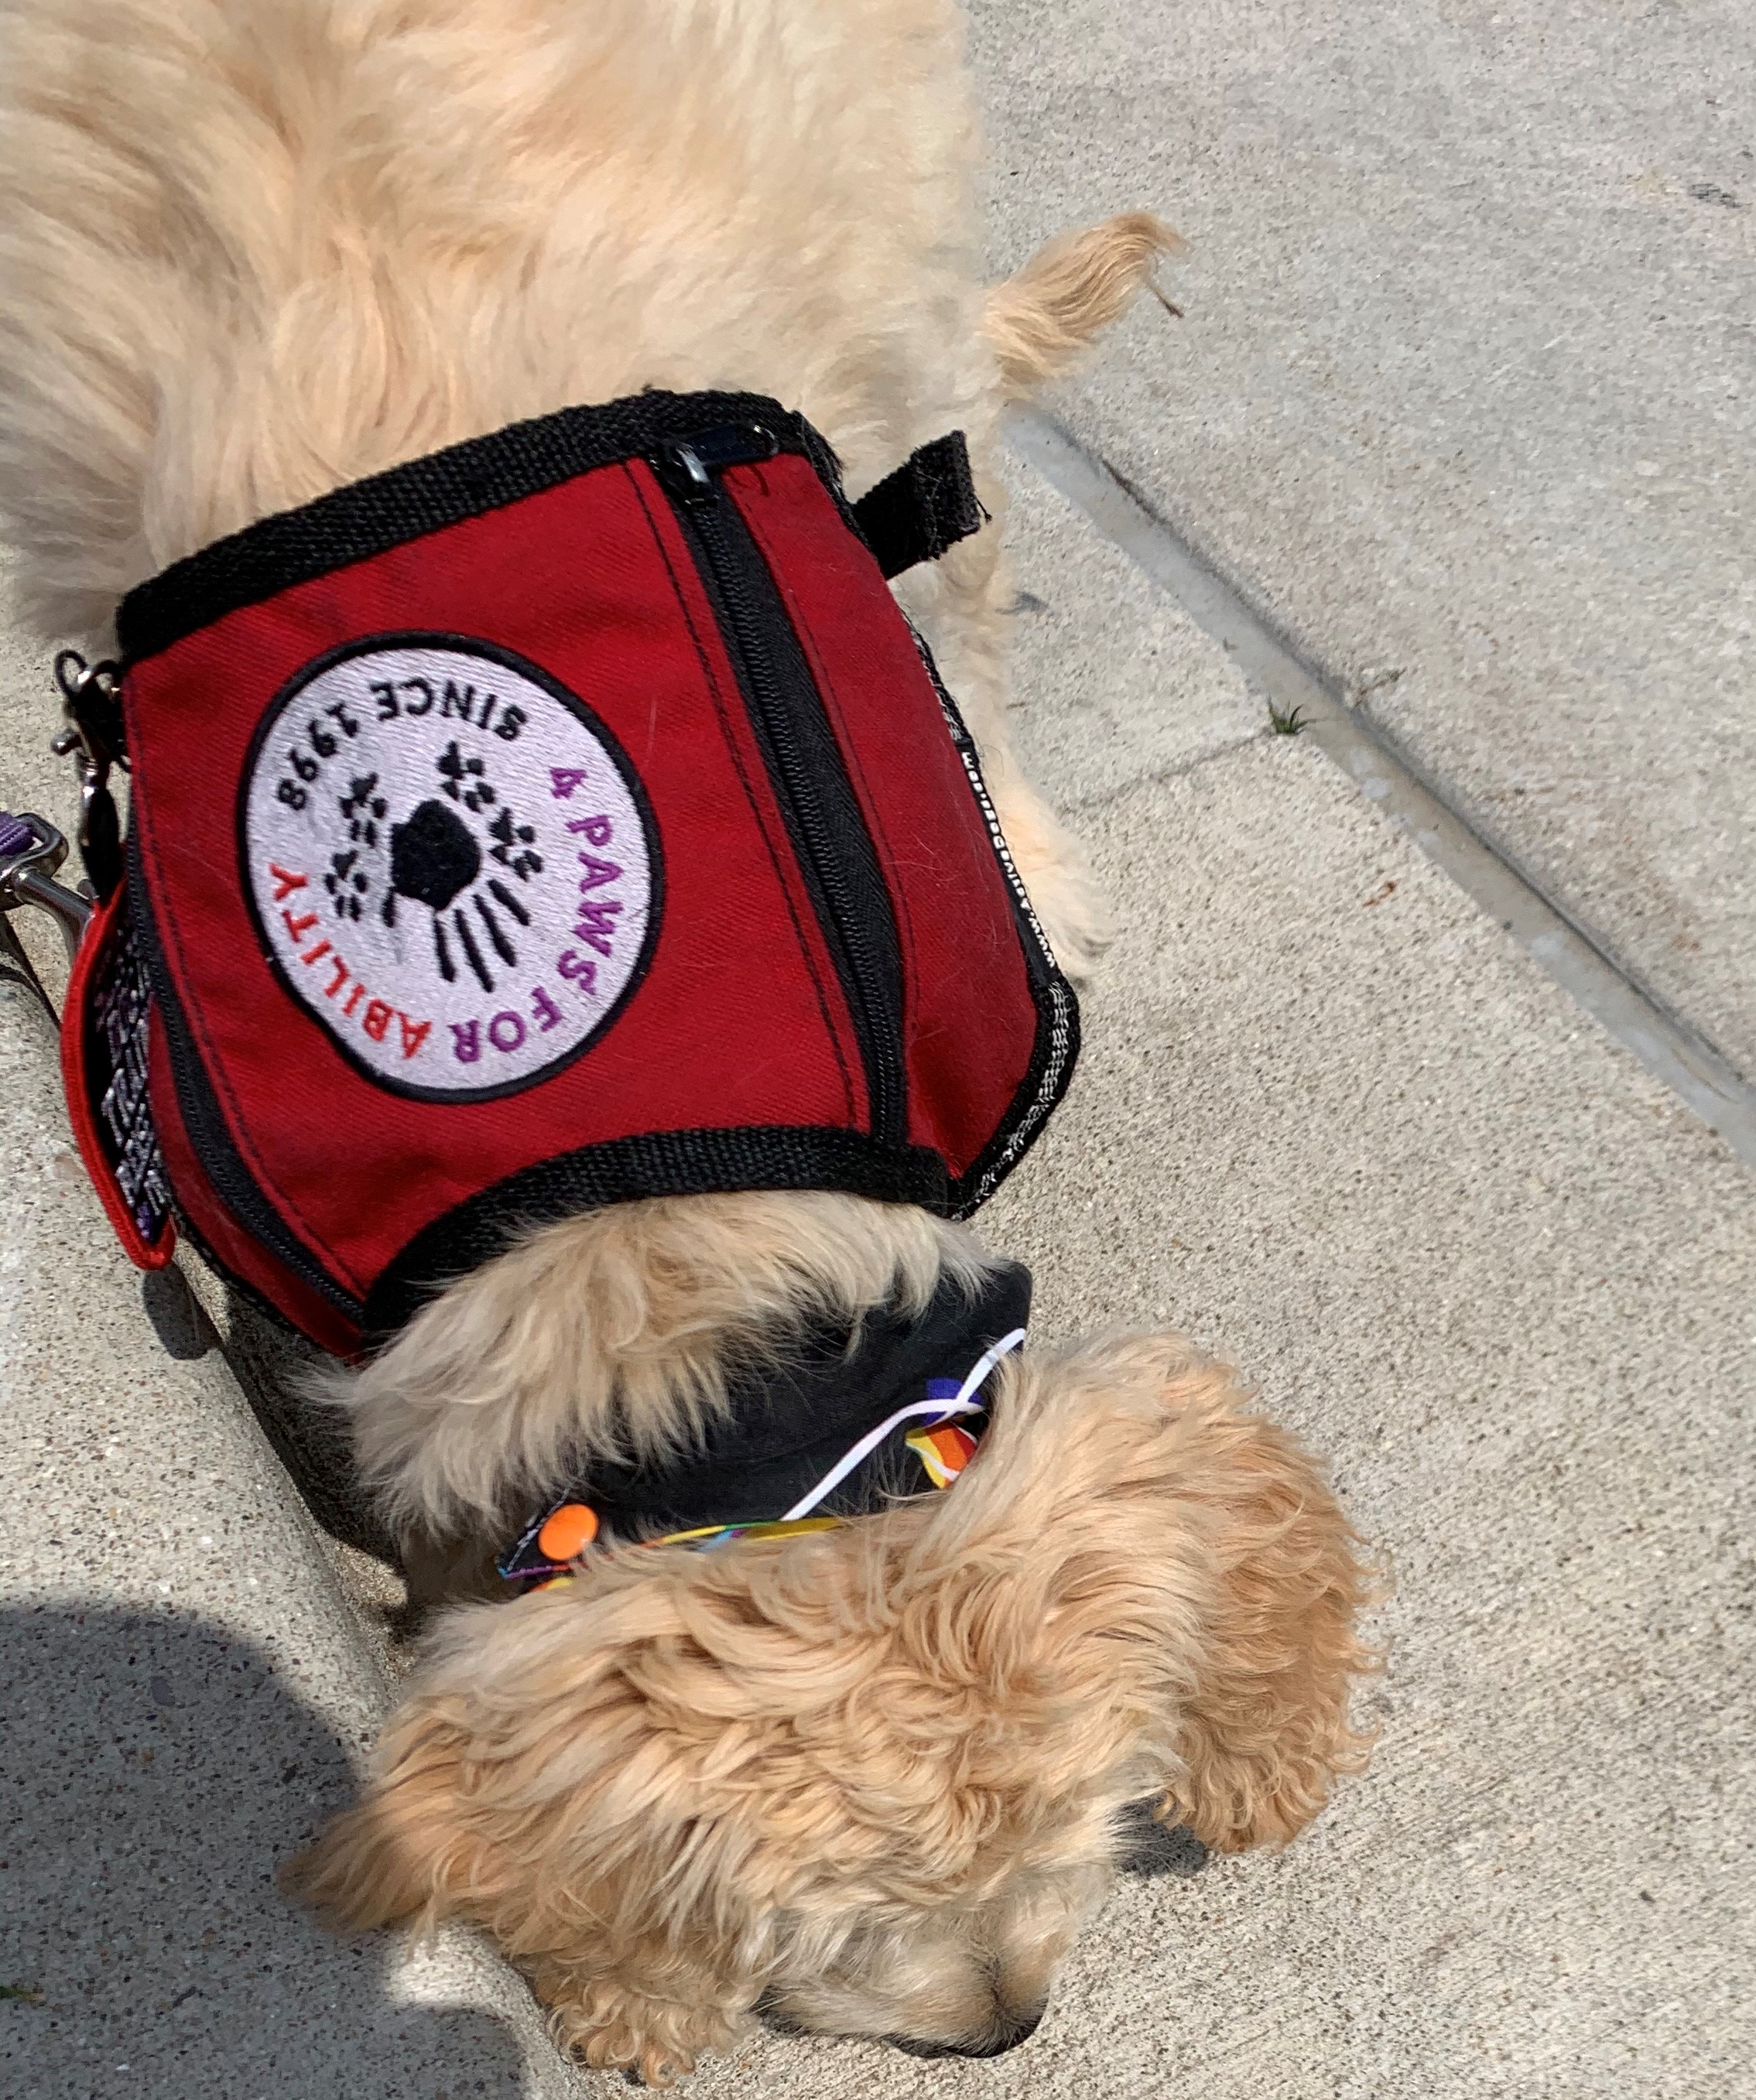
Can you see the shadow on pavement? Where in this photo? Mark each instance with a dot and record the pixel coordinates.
(1155, 1850)
(274, 1367)
(153, 1772)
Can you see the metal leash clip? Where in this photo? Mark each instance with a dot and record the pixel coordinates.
(91, 695)
(31, 851)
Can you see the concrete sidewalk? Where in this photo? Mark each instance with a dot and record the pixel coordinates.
(1332, 1119)
(1461, 396)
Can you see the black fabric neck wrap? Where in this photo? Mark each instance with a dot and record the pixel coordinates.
(786, 1425)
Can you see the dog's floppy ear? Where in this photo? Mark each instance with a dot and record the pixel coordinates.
(1177, 1563)
(548, 1782)
(397, 1856)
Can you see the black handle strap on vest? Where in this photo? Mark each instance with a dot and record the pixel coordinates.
(928, 504)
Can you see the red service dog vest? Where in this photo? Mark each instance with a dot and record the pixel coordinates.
(569, 817)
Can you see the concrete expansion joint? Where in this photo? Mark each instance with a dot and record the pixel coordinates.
(1087, 806)
(1301, 698)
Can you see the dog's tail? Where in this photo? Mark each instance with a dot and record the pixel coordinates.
(1043, 318)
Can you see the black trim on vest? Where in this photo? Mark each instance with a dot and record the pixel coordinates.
(625, 1169)
(913, 515)
(368, 518)
(1053, 1056)
(786, 1424)
(252, 1294)
(1055, 1049)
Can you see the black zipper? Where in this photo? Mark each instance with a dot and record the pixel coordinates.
(831, 842)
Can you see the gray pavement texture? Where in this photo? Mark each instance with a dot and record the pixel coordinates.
(1462, 395)
(1331, 1120)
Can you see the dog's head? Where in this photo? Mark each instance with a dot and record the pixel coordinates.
(873, 1780)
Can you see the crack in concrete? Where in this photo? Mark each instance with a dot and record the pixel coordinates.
(1675, 1053)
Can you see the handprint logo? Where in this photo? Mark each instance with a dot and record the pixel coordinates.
(437, 860)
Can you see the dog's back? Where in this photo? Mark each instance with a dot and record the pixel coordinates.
(254, 249)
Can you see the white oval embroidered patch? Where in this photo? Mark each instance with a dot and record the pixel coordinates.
(450, 862)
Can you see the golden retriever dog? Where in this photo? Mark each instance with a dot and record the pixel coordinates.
(871, 1778)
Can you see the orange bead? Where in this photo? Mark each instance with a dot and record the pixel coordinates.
(568, 1531)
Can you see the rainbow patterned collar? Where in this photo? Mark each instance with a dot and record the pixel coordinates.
(843, 1425)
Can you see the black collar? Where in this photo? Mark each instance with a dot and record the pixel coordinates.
(789, 1424)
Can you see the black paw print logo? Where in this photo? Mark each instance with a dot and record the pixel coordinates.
(437, 860)
(463, 778)
(363, 809)
(513, 841)
(346, 882)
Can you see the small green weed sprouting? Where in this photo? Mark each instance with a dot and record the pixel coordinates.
(1287, 721)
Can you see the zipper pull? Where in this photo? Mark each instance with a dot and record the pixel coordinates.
(687, 466)
(681, 468)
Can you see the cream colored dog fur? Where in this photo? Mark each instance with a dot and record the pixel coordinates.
(871, 1778)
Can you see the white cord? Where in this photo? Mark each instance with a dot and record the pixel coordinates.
(965, 1403)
